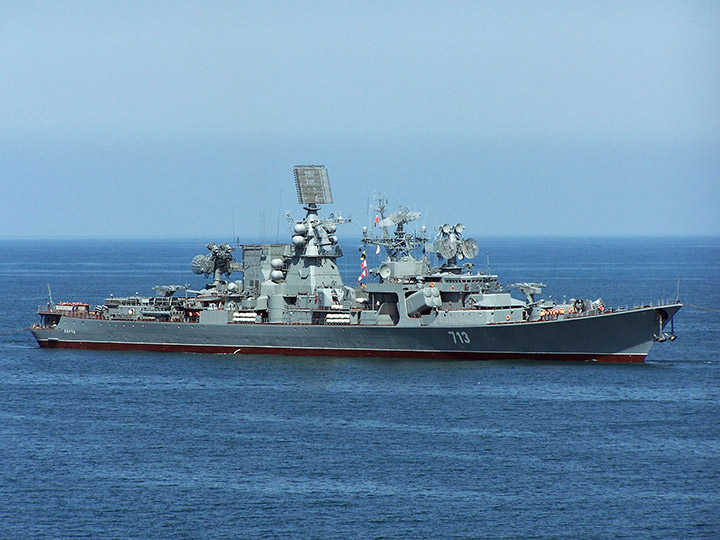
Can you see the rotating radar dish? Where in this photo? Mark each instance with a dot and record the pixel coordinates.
(201, 264)
(470, 248)
(401, 216)
(313, 184)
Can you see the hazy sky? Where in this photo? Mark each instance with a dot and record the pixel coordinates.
(526, 118)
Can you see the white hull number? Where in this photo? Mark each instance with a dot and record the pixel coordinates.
(460, 337)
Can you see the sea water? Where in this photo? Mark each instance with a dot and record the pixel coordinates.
(98, 444)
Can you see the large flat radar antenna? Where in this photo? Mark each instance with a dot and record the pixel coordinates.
(313, 184)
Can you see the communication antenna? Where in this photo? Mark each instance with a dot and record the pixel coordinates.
(277, 228)
(235, 239)
(470, 248)
(220, 261)
(487, 254)
(450, 245)
(677, 292)
(50, 295)
(202, 264)
(447, 248)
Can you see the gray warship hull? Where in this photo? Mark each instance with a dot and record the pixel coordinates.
(292, 301)
(621, 336)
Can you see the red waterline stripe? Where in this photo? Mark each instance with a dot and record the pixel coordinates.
(291, 351)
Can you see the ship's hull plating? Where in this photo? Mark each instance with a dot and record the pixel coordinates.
(623, 336)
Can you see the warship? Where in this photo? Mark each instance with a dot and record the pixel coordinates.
(291, 300)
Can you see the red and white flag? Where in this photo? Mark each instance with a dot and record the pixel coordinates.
(363, 266)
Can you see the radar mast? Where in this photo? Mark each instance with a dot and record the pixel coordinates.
(314, 236)
(401, 243)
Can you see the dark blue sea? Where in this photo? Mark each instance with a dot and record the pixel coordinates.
(150, 445)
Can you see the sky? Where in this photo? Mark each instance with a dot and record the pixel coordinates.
(185, 119)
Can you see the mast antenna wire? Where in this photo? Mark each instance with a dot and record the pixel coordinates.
(234, 239)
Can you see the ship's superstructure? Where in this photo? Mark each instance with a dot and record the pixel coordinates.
(292, 300)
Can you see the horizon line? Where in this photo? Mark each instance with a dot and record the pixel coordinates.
(256, 239)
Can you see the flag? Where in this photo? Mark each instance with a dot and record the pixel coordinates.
(377, 250)
(363, 266)
(377, 220)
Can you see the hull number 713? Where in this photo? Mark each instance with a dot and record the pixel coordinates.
(460, 337)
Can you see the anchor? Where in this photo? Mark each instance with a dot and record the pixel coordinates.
(664, 336)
